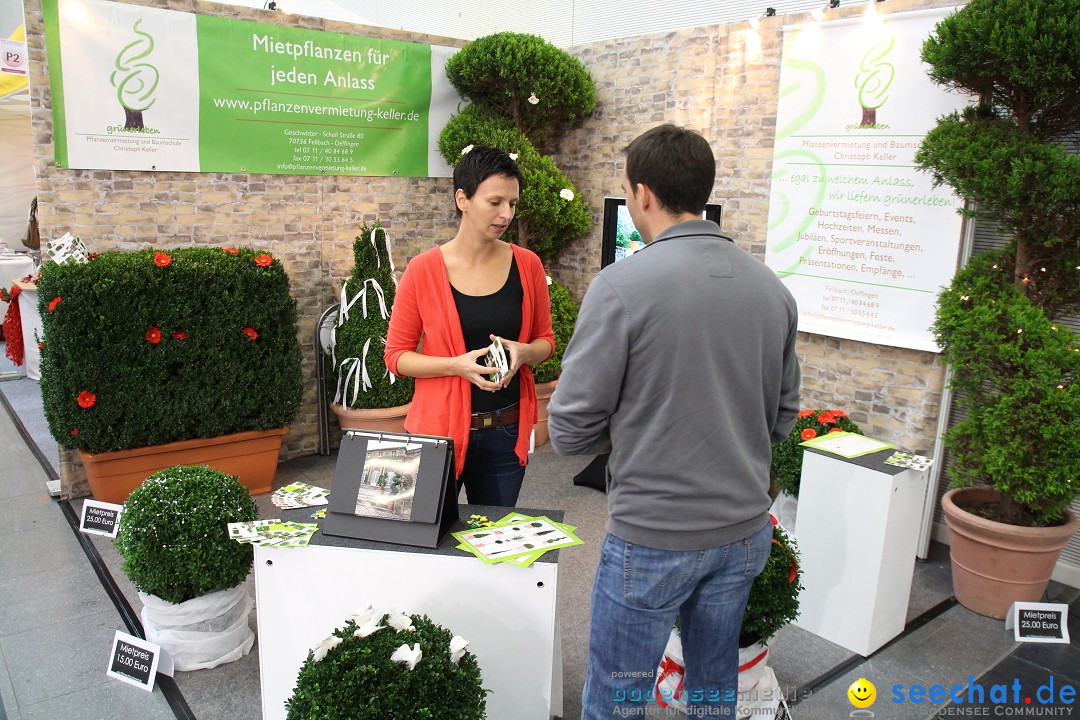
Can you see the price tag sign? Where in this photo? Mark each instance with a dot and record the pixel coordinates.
(133, 661)
(13, 57)
(100, 518)
(1039, 622)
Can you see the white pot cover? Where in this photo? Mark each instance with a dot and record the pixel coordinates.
(203, 632)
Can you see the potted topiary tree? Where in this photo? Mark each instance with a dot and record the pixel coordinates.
(190, 574)
(1016, 454)
(564, 312)
(367, 395)
(382, 665)
(523, 89)
(156, 358)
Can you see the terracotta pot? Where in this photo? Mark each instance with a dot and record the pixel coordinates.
(995, 564)
(385, 419)
(251, 456)
(543, 395)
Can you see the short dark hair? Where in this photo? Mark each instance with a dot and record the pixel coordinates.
(676, 163)
(480, 163)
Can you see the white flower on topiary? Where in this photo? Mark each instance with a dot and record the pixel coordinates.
(465, 150)
(533, 99)
(566, 194)
(548, 279)
(326, 646)
(361, 616)
(407, 656)
(513, 156)
(457, 648)
(368, 628)
(400, 622)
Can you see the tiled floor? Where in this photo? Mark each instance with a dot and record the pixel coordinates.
(56, 622)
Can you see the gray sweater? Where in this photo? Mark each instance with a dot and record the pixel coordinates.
(683, 359)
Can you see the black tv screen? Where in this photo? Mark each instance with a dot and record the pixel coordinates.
(620, 237)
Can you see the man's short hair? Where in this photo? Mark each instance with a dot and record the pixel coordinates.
(478, 165)
(676, 163)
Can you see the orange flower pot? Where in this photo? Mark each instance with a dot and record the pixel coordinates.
(379, 419)
(252, 456)
(543, 395)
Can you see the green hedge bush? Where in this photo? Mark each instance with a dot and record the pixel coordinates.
(150, 347)
(371, 261)
(174, 537)
(787, 456)
(357, 680)
(564, 312)
(774, 596)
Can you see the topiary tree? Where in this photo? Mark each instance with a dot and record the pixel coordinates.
(1014, 365)
(564, 312)
(774, 596)
(173, 535)
(367, 298)
(522, 88)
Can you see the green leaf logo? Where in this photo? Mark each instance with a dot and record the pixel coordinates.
(873, 80)
(135, 81)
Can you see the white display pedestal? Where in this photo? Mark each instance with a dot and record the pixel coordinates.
(506, 613)
(31, 329)
(857, 534)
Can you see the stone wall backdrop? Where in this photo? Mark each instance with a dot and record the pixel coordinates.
(724, 82)
(307, 222)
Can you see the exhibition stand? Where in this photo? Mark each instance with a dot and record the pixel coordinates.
(858, 531)
(507, 613)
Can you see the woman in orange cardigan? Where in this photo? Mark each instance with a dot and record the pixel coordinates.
(457, 298)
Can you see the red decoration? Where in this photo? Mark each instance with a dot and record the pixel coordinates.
(54, 302)
(250, 332)
(179, 335)
(153, 336)
(804, 414)
(75, 431)
(41, 346)
(826, 418)
(162, 259)
(231, 251)
(809, 434)
(838, 413)
(87, 399)
(264, 260)
(13, 328)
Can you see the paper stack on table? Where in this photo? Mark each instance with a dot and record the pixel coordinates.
(298, 495)
(273, 533)
(517, 539)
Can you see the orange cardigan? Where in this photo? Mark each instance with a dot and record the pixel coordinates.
(424, 306)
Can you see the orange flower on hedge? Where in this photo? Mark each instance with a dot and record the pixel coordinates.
(838, 413)
(264, 260)
(153, 336)
(75, 431)
(87, 399)
(809, 434)
(162, 259)
(179, 335)
(231, 251)
(835, 430)
(41, 346)
(826, 418)
(250, 332)
(54, 302)
(805, 413)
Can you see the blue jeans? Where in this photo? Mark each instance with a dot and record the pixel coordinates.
(637, 594)
(492, 474)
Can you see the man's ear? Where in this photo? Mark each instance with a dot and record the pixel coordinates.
(644, 195)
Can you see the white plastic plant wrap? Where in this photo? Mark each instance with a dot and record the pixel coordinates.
(785, 509)
(203, 632)
(759, 690)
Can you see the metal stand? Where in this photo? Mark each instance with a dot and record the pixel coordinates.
(322, 335)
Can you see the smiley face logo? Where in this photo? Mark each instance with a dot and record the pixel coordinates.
(862, 693)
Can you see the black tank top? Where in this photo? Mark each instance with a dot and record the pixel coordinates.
(495, 314)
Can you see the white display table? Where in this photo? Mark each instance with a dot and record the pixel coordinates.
(857, 534)
(31, 328)
(506, 613)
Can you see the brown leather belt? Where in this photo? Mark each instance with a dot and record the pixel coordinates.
(505, 416)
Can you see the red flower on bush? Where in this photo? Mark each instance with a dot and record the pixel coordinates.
(250, 332)
(838, 413)
(264, 260)
(231, 251)
(41, 346)
(179, 335)
(75, 431)
(87, 399)
(831, 431)
(809, 434)
(54, 302)
(826, 418)
(804, 414)
(93, 256)
(153, 336)
(162, 259)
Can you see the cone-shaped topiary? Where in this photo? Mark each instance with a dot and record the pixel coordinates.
(362, 380)
(349, 677)
(522, 88)
(173, 535)
(1014, 365)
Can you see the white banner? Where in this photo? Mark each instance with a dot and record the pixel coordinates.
(859, 236)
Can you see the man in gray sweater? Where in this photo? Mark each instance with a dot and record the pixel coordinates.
(683, 363)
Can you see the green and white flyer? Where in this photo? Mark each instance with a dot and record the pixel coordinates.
(861, 237)
(138, 88)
